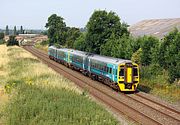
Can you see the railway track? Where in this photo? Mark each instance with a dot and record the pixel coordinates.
(158, 107)
(160, 104)
(107, 96)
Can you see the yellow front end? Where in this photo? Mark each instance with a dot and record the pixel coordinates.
(128, 79)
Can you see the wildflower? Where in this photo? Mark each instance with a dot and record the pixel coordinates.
(7, 89)
(30, 82)
(13, 84)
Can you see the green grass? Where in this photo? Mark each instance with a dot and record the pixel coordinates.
(38, 95)
(54, 106)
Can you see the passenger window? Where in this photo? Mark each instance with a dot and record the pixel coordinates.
(135, 72)
(101, 67)
(121, 72)
(110, 70)
(107, 69)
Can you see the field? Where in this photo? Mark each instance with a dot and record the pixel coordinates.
(32, 93)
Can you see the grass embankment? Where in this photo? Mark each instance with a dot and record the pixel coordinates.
(154, 80)
(38, 95)
(42, 45)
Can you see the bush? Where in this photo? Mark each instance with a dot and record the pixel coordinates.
(44, 43)
(12, 41)
(2, 42)
(151, 71)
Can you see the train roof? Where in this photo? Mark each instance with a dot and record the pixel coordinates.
(59, 49)
(52, 47)
(77, 52)
(109, 59)
(94, 56)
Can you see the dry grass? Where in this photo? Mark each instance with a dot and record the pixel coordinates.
(36, 69)
(3, 60)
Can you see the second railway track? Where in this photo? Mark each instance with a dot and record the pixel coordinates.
(107, 96)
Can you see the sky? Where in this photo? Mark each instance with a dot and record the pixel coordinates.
(33, 14)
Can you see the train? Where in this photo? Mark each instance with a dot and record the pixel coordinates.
(119, 74)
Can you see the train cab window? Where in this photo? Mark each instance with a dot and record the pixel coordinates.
(135, 72)
(121, 72)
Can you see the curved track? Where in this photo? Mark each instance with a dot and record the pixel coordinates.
(107, 96)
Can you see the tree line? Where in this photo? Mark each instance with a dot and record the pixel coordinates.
(15, 31)
(106, 35)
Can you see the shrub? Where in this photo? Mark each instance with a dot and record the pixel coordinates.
(12, 41)
(44, 42)
(2, 41)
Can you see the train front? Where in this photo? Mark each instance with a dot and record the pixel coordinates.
(128, 76)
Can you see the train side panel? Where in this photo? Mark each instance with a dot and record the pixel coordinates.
(52, 53)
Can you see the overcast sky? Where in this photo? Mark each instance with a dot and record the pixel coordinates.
(33, 14)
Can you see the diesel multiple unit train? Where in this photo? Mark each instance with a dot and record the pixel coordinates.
(120, 74)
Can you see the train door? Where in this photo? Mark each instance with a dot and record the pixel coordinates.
(128, 73)
(86, 63)
(68, 59)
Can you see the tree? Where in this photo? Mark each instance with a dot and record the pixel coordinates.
(1, 36)
(118, 47)
(56, 30)
(72, 34)
(7, 30)
(169, 54)
(100, 27)
(80, 43)
(148, 46)
(12, 41)
(136, 57)
(165, 48)
(14, 32)
(21, 30)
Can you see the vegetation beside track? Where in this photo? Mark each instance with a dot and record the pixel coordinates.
(42, 45)
(38, 95)
(154, 80)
